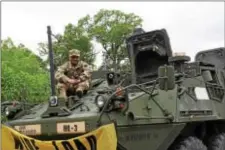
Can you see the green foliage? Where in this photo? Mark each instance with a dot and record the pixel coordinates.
(73, 38)
(111, 28)
(22, 74)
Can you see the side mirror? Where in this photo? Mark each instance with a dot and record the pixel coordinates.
(166, 77)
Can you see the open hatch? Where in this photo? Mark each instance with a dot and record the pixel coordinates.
(147, 51)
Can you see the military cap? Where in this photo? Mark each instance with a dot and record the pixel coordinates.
(74, 52)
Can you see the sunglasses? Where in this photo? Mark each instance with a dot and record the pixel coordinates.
(74, 56)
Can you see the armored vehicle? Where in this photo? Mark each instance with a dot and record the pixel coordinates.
(166, 102)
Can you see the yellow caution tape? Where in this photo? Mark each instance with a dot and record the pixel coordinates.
(103, 138)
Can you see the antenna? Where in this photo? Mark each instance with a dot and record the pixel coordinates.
(56, 106)
(53, 92)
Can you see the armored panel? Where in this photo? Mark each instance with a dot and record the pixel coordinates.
(216, 92)
(148, 51)
(215, 57)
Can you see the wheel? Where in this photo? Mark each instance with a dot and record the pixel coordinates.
(217, 142)
(190, 143)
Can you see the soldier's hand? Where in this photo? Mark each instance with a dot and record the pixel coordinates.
(73, 81)
(77, 81)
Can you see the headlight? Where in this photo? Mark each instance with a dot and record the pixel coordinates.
(100, 100)
(111, 76)
(7, 111)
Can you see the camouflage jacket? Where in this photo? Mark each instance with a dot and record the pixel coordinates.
(81, 71)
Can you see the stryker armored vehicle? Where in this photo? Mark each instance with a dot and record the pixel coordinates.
(167, 102)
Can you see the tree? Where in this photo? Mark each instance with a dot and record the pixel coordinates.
(22, 74)
(111, 28)
(72, 38)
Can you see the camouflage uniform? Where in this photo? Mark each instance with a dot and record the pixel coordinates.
(67, 71)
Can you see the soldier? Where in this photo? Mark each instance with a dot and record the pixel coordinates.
(74, 75)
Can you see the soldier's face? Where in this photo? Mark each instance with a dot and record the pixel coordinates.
(74, 59)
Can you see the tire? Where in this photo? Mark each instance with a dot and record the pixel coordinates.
(190, 143)
(217, 142)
